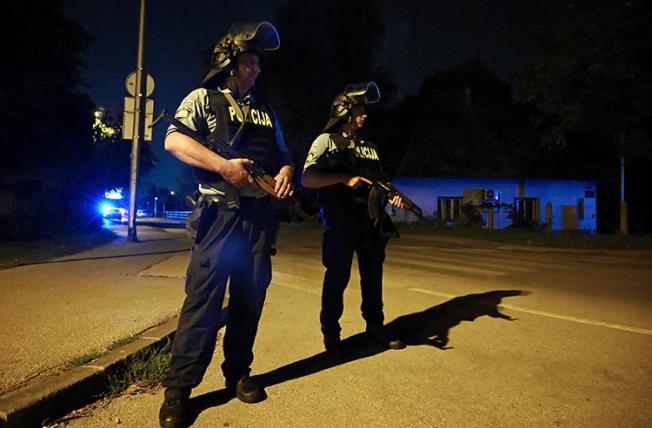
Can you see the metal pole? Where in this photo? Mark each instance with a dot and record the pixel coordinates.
(138, 127)
(624, 211)
(622, 178)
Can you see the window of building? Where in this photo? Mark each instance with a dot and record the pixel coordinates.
(449, 208)
(528, 209)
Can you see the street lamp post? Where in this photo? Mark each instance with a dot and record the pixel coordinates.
(155, 204)
(138, 127)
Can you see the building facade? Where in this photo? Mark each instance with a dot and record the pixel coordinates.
(570, 205)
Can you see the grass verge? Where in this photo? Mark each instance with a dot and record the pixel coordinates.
(81, 360)
(145, 369)
(21, 252)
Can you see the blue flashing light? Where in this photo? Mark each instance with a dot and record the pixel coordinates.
(105, 209)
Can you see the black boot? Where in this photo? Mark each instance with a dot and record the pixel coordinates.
(332, 342)
(379, 335)
(246, 389)
(174, 413)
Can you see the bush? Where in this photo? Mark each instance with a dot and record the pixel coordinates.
(46, 214)
(519, 221)
(471, 216)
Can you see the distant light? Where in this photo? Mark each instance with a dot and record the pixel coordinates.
(114, 194)
(105, 209)
(172, 192)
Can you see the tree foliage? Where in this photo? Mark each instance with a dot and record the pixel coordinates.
(462, 122)
(45, 120)
(108, 164)
(594, 72)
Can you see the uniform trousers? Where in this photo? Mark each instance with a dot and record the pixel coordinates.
(231, 246)
(349, 231)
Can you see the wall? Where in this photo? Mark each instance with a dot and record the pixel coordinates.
(564, 195)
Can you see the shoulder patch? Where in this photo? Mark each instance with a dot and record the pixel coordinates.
(183, 112)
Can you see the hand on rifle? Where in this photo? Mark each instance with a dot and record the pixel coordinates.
(356, 181)
(283, 187)
(398, 202)
(234, 171)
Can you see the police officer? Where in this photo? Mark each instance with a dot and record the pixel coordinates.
(337, 163)
(237, 222)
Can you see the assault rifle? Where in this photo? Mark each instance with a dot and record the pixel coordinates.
(380, 185)
(265, 181)
(386, 188)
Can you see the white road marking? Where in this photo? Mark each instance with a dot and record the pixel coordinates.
(286, 280)
(414, 264)
(296, 287)
(549, 314)
(481, 265)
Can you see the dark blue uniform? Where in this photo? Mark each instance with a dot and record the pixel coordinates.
(348, 229)
(232, 245)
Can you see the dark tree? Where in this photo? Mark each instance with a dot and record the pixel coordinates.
(45, 120)
(107, 165)
(462, 122)
(593, 72)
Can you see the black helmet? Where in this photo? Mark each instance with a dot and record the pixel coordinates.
(255, 37)
(363, 93)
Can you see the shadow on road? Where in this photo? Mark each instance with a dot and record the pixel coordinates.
(429, 327)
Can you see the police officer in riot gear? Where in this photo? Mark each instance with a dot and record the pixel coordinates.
(237, 221)
(336, 165)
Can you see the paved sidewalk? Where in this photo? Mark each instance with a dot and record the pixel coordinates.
(56, 314)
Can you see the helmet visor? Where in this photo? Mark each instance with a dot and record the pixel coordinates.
(363, 92)
(264, 33)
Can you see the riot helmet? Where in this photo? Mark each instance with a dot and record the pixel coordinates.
(363, 93)
(256, 37)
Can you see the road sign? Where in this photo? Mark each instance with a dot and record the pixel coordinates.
(130, 84)
(128, 118)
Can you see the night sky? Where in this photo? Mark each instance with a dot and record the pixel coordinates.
(421, 36)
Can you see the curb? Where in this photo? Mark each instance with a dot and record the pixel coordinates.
(57, 395)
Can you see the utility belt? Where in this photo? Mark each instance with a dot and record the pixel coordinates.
(222, 194)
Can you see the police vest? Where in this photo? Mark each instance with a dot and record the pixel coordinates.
(257, 141)
(362, 157)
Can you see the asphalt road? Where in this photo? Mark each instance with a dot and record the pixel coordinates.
(499, 336)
